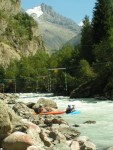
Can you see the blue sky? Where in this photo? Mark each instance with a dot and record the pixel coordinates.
(73, 9)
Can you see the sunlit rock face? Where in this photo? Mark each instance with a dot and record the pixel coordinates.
(11, 6)
(17, 39)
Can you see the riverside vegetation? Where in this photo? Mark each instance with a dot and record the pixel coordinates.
(88, 65)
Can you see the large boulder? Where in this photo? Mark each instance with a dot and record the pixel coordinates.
(30, 104)
(21, 109)
(45, 103)
(69, 132)
(17, 141)
(50, 120)
(82, 139)
(16, 121)
(88, 145)
(8, 98)
(34, 132)
(5, 121)
(9, 121)
(75, 145)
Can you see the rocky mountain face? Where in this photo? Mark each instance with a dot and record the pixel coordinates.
(19, 33)
(74, 41)
(55, 29)
(11, 6)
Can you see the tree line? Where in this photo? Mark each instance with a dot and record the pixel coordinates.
(88, 66)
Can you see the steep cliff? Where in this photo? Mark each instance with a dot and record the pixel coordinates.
(12, 7)
(18, 33)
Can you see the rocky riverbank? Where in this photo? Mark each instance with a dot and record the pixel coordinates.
(21, 129)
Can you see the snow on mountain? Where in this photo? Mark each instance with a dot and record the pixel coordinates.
(36, 10)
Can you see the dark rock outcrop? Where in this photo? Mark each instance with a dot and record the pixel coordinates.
(90, 122)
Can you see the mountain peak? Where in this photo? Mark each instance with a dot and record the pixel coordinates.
(46, 8)
(53, 26)
(36, 10)
(50, 15)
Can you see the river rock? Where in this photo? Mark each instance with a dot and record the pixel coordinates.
(30, 104)
(90, 122)
(44, 135)
(61, 138)
(110, 148)
(82, 139)
(75, 145)
(17, 123)
(50, 120)
(21, 109)
(34, 132)
(45, 103)
(76, 125)
(20, 127)
(17, 141)
(8, 98)
(58, 121)
(9, 121)
(55, 127)
(88, 146)
(69, 132)
(60, 146)
(57, 137)
(34, 148)
(5, 121)
(36, 119)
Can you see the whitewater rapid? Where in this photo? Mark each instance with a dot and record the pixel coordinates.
(100, 133)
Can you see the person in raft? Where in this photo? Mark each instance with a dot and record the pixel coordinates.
(40, 109)
(70, 109)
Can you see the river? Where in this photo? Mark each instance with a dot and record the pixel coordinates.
(100, 133)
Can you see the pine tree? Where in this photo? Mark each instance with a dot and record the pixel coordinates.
(102, 21)
(86, 41)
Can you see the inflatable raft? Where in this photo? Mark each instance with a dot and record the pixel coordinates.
(74, 112)
(53, 113)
